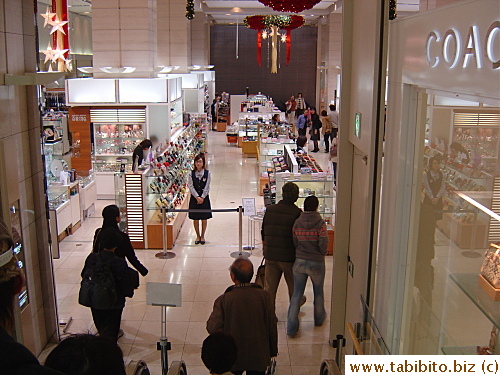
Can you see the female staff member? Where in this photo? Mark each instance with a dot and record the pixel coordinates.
(199, 186)
(111, 218)
(139, 152)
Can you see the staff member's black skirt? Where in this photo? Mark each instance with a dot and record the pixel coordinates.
(200, 215)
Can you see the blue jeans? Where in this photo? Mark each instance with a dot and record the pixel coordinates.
(301, 270)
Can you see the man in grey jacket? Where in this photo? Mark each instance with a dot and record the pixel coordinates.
(245, 311)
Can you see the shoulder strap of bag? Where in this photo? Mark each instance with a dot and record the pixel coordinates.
(96, 237)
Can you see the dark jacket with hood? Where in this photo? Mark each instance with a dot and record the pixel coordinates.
(310, 236)
(277, 231)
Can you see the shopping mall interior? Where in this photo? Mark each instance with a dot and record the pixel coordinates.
(410, 212)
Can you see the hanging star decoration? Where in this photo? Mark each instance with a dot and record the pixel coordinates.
(55, 54)
(57, 24)
(49, 54)
(48, 15)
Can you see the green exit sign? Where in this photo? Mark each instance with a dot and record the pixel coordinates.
(357, 125)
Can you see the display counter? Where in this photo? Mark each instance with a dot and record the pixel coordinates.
(64, 209)
(163, 184)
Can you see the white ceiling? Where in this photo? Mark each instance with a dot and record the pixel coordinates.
(231, 11)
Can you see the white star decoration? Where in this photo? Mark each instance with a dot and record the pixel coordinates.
(49, 54)
(48, 16)
(57, 24)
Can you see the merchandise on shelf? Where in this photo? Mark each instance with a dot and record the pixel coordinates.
(307, 164)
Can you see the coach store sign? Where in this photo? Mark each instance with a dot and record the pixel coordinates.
(454, 48)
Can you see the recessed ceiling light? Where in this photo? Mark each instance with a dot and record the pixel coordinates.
(228, 14)
(236, 10)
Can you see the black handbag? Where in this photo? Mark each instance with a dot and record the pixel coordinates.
(260, 275)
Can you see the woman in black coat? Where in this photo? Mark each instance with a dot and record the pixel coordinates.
(111, 218)
(315, 128)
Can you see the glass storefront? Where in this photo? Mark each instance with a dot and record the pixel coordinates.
(455, 221)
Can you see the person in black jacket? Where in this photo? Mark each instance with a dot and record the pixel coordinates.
(111, 218)
(14, 357)
(107, 321)
(277, 240)
(315, 128)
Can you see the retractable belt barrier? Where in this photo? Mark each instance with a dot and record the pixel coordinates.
(169, 254)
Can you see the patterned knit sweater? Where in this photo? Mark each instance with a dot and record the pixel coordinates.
(310, 237)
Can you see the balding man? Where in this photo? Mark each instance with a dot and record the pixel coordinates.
(246, 312)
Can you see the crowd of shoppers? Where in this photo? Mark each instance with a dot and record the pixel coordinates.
(294, 245)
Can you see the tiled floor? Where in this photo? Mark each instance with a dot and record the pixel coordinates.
(202, 271)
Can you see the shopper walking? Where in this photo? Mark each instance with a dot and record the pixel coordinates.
(246, 312)
(334, 118)
(140, 152)
(291, 106)
(213, 110)
(333, 157)
(326, 129)
(301, 104)
(277, 239)
(106, 307)
(302, 123)
(111, 219)
(315, 128)
(199, 186)
(14, 357)
(311, 242)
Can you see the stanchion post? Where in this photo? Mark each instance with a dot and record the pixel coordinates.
(240, 252)
(164, 254)
(240, 227)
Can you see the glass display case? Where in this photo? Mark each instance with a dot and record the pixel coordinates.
(321, 187)
(57, 197)
(114, 145)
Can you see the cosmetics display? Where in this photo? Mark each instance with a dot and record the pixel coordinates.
(163, 185)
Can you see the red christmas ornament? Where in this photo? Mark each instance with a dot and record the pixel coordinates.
(294, 6)
(287, 23)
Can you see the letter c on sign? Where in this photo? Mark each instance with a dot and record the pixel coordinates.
(433, 37)
(493, 31)
(451, 37)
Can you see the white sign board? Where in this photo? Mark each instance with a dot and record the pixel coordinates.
(248, 206)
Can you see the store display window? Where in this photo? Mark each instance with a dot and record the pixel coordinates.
(455, 222)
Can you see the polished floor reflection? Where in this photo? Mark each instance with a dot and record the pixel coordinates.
(202, 271)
